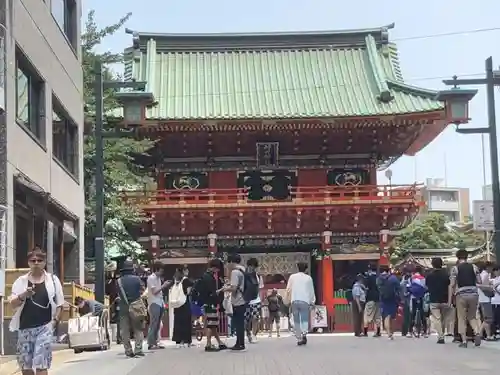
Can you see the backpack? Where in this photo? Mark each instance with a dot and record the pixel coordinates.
(275, 303)
(250, 289)
(196, 294)
(386, 289)
(417, 290)
(177, 297)
(466, 275)
(137, 309)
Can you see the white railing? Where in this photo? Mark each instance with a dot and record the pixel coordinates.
(434, 205)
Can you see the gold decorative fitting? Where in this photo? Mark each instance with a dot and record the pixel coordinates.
(267, 188)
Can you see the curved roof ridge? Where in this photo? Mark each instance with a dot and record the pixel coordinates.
(373, 30)
(428, 93)
(384, 95)
(261, 41)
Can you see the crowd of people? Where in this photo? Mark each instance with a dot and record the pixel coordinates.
(198, 305)
(462, 302)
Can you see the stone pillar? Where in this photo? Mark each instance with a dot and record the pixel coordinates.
(155, 246)
(50, 246)
(384, 248)
(212, 245)
(327, 287)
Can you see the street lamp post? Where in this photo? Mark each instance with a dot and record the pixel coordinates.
(458, 104)
(134, 106)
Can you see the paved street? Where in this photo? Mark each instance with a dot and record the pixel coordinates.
(324, 354)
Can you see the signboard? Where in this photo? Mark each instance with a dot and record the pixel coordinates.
(319, 317)
(482, 214)
(267, 154)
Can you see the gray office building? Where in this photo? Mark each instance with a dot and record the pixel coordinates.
(41, 134)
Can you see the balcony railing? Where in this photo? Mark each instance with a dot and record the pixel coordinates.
(317, 195)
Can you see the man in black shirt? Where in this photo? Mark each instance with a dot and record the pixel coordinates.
(372, 306)
(437, 282)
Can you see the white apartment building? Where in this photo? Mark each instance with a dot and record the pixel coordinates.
(43, 132)
(487, 193)
(452, 202)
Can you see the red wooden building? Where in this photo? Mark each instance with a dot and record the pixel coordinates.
(268, 144)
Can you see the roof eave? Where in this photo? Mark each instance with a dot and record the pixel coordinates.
(366, 31)
(427, 93)
(206, 41)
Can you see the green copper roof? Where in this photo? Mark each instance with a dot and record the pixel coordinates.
(268, 76)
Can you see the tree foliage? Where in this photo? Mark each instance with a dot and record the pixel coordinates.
(120, 171)
(432, 232)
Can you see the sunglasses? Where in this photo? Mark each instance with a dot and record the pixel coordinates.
(36, 260)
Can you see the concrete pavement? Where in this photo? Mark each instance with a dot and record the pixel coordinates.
(332, 355)
(343, 355)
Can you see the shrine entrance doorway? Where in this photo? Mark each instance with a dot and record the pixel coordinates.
(276, 268)
(345, 272)
(344, 275)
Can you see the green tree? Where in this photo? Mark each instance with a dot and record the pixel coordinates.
(432, 232)
(120, 170)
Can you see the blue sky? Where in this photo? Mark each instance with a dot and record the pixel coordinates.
(425, 61)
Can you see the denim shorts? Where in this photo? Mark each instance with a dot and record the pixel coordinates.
(34, 347)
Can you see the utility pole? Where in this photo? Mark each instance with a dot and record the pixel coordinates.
(491, 80)
(100, 280)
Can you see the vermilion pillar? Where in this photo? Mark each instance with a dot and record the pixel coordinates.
(327, 289)
(384, 247)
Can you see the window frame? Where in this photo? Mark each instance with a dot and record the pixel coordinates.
(71, 146)
(69, 27)
(36, 126)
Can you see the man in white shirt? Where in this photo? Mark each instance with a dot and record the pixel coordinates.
(156, 305)
(495, 301)
(300, 287)
(485, 308)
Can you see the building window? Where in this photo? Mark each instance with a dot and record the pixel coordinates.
(64, 12)
(444, 196)
(64, 138)
(30, 98)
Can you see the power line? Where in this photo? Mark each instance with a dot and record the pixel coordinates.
(442, 77)
(441, 35)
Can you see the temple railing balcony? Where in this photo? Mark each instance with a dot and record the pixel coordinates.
(297, 196)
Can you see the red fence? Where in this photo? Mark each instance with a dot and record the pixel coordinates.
(307, 195)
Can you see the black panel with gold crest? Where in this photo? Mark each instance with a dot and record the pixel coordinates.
(186, 181)
(268, 185)
(348, 177)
